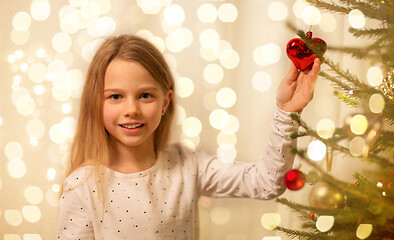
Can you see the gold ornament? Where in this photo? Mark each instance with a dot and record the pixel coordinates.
(387, 86)
(322, 195)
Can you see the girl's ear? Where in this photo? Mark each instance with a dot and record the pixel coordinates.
(167, 100)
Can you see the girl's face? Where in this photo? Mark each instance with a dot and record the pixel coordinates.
(134, 103)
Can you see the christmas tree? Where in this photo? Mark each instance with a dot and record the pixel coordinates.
(364, 208)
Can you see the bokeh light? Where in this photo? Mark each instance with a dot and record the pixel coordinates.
(16, 168)
(226, 97)
(364, 230)
(35, 128)
(311, 15)
(105, 26)
(40, 10)
(209, 38)
(31, 214)
(358, 124)
(357, 146)
(261, 81)
(219, 118)
(316, 150)
(325, 128)
(191, 126)
(228, 12)
(374, 76)
(328, 22)
(13, 150)
(325, 223)
(232, 125)
(37, 72)
(21, 21)
(224, 138)
(277, 11)
(356, 19)
(174, 15)
(33, 194)
(13, 217)
(229, 59)
(270, 220)
(61, 42)
(299, 6)
(184, 86)
(207, 13)
(213, 73)
(376, 103)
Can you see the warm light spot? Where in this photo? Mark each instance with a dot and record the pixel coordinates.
(311, 15)
(68, 126)
(176, 41)
(191, 126)
(358, 124)
(277, 11)
(32, 237)
(40, 10)
(232, 125)
(207, 54)
(374, 76)
(61, 42)
(24, 67)
(356, 19)
(66, 108)
(150, 6)
(209, 100)
(328, 22)
(226, 97)
(221, 48)
(78, 3)
(272, 238)
(218, 118)
(21, 21)
(105, 26)
(227, 12)
(207, 13)
(91, 10)
(229, 59)
(364, 230)
(25, 105)
(174, 15)
(11, 58)
(357, 146)
(325, 223)
(56, 187)
(13, 217)
(51, 174)
(55, 134)
(13, 150)
(19, 37)
(33, 194)
(158, 42)
(40, 53)
(299, 6)
(31, 213)
(316, 150)
(220, 215)
(270, 220)
(223, 138)
(75, 80)
(19, 54)
(35, 128)
(213, 73)
(37, 72)
(376, 103)
(325, 128)
(180, 114)
(16, 168)
(184, 87)
(61, 94)
(261, 81)
(209, 38)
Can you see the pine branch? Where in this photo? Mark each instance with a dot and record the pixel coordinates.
(373, 33)
(336, 81)
(303, 235)
(352, 102)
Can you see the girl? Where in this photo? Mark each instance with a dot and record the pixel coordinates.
(124, 182)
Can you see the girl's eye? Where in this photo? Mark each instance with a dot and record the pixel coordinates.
(115, 97)
(145, 95)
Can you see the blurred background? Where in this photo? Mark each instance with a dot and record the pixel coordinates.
(228, 58)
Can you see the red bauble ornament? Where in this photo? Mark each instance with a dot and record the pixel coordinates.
(300, 54)
(294, 179)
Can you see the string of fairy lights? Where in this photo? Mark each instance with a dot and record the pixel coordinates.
(49, 71)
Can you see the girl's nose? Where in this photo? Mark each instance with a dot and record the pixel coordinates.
(131, 108)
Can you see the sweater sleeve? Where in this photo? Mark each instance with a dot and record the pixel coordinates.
(74, 218)
(261, 180)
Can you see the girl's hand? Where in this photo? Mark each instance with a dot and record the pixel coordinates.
(296, 89)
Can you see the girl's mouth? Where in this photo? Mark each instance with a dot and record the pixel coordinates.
(132, 126)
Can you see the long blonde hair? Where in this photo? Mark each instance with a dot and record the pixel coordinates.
(91, 141)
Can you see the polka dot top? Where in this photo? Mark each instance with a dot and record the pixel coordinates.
(162, 202)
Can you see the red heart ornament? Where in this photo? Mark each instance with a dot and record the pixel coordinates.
(300, 54)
